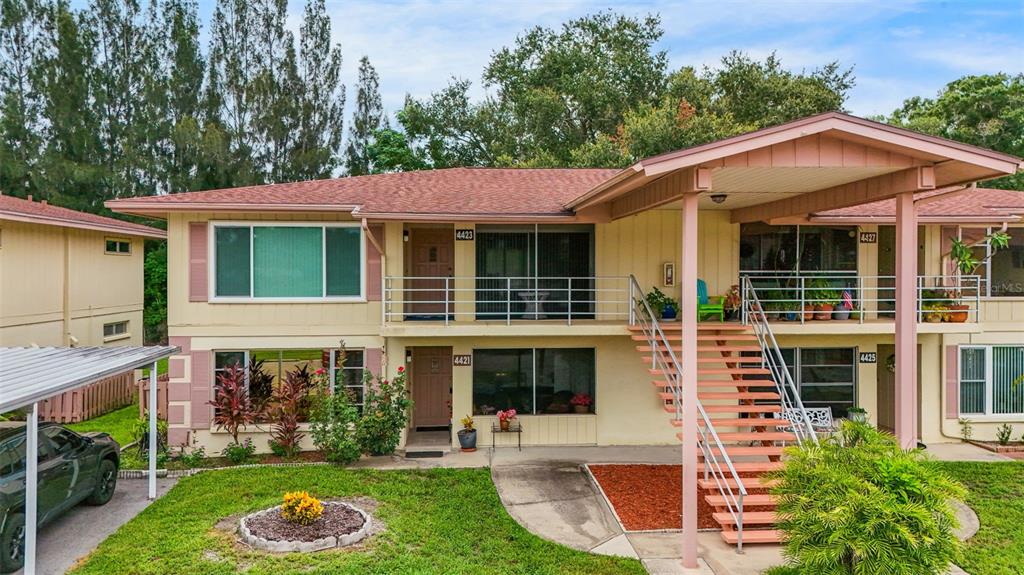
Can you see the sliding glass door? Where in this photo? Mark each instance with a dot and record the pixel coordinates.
(535, 272)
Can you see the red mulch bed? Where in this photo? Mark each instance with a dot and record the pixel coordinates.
(649, 497)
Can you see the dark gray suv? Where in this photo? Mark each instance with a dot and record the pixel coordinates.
(72, 468)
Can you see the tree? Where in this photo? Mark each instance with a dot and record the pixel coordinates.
(21, 36)
(367, 118)
(390, 151)
(321, 106)
(986, 111)
(154, 291)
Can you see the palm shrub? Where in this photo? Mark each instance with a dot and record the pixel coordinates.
(385, 413)
(233, 410)
(859, 504)
(286, 409)
(332, 421)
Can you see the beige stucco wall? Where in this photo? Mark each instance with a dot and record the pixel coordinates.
(35, 262)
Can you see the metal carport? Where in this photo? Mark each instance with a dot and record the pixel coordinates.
(31, 374)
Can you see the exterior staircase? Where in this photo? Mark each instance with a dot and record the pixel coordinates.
(740, 378)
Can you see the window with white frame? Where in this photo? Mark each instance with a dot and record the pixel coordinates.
(115, 329)
(118, 246)
(534, 381)
(992, 379)
(1002, 272)
(253, 261)
(264, 369)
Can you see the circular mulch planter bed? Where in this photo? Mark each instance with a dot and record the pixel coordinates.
(340, 525)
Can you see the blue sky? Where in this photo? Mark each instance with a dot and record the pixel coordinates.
(898, 48)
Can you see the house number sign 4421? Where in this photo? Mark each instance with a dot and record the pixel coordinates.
(462, 360)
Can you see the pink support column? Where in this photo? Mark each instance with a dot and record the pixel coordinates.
(906, 320)
(688, 359)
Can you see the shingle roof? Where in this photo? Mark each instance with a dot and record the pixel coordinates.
(18, 209)
(459, 191)
(979, 203)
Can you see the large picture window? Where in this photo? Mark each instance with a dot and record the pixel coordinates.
(533, 381)
(551, 263)
(264, 369)
(824, 376)
(797, 249)
(280, 261)
(989, 376)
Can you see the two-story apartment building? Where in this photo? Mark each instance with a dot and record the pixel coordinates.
(68, 277)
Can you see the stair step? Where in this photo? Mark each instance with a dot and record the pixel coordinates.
(751, 466)
(720, 383)
(721, 359)
(707, 349)
(749, 482)
(721, 371)
(739, 421)
(750, 422)
(702, 395)
(753, 536)
(755, 499)
(703, 326)
(756, 436)
(715, 338)
(737, 450)
(749, 518)
(743, 408)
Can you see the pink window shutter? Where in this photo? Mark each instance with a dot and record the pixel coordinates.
(373, 264)
(372, 359)
(952, 382)
(198, 269)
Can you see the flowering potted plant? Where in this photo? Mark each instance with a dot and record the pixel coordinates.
(505, 418)
(467, 435)
(731, 302)
(581, 402)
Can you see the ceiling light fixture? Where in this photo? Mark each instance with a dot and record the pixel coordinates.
(718, 198)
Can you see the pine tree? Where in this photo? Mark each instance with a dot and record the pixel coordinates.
(367, 118)
(20, 48)
(70, 167)
(321, 101)
(185, 68)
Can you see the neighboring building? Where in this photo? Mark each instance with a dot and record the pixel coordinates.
(515, 288)
(69, 278)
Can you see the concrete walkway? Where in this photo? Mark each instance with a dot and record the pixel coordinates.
(963, 452)
(77, 533)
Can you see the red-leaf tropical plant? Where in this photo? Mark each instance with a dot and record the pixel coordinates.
(287, 408)
(232, 408)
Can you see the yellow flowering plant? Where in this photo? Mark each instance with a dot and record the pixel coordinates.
(300, 507)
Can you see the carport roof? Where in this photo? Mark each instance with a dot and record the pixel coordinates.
(31, 374)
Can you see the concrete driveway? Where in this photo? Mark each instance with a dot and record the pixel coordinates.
(76, 533)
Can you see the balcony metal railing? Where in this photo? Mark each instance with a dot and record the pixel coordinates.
(803, 298)
(506, 299)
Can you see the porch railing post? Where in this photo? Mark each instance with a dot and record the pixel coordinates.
(861, 298)
(632, 309)
(977, 299)
(508, 301)
(447, 298)
(803, 299)
(568, 298)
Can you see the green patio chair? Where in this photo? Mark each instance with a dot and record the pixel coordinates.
(709, 306)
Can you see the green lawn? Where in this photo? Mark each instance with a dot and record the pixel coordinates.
(446, 521)
(117, 423)
(996, 493)
(161, 368)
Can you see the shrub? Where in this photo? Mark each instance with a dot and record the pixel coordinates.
(140, 434)
(238, 453)
(302, 508)
(857, 503)
(966, 429)
(195, 457)
(287, 406)
(332, 422)
(385, 413)
(232, 408)
(1004, 434)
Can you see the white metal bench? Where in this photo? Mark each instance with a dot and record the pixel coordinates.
(821, 418)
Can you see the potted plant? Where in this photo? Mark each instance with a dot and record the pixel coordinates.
(505, 418)
(467, 435)
(825, 302)
(842, 310)
(966, 263)
(581, 402)
(934, 312)
(662, 305)
(858, 414)
(731, 302)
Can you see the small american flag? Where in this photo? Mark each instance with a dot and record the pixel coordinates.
(847, 299)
